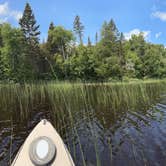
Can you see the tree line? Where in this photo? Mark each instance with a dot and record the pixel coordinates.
(64, 56)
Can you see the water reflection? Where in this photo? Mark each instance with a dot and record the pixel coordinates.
(134, 138)
(97, 132)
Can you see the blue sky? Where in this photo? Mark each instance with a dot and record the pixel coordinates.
(131, 16)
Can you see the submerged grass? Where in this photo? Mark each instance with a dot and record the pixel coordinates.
(62, 96)
(72, 104)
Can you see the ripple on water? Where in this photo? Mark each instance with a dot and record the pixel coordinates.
(132, 137)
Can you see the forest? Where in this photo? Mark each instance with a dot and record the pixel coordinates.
(64, 55)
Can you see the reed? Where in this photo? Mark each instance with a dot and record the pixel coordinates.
(74, 104)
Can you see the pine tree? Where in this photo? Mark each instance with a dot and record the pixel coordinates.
(110, 31)
(96, 37)
(114, 33)
(121, 51)
(49, 44)
(104, 31)
(78, 28)
(89, 42)
(31, 41)
(51, 27)
(2, 66)
(110, 37)
(29, 27)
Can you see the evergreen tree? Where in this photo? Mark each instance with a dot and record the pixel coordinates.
(121, 48)
(78, 28)
(2, 64)
(109, 39)
(31, 40)
(121, 51)
(50, 46)
(22, 58)
(29, 27)
(89, 42)
(113, 31)
(96, 38)
(109, 31)
(51, 27)
(104, 30)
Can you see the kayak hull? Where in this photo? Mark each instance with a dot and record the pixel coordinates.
(44, 128)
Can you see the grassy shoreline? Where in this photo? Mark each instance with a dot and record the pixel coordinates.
(26, 97)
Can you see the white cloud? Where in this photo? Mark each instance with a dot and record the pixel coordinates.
(157, 35)
(2, 20)
(16, 14)
(136, 32)
(160, 15)
(4, 8)
(6, 13)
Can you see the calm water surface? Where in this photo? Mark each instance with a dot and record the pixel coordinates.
(97, 136)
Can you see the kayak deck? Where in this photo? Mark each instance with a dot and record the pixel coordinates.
(44, 129)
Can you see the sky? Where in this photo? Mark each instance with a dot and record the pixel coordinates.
(130, 16)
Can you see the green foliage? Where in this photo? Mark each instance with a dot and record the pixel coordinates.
(31, 42)
(108, 46)
(23, 58)
(153, 62)
(78, 28)
(59, 41)
(11, 57)
(29, 27)
(89, 42)
(82, 64)
(96, 38)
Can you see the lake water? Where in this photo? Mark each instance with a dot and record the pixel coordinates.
(96, 129)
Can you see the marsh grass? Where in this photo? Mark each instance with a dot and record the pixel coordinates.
(71, 104)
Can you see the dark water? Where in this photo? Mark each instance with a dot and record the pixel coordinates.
(99, 136)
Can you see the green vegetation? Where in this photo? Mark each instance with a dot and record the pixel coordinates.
(111, 57)
(75, 109)
(62, 98)
(80, 111)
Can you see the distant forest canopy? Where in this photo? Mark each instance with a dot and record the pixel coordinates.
(24, 58)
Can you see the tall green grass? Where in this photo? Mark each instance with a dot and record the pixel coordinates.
(73, 103)
(65, 96)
